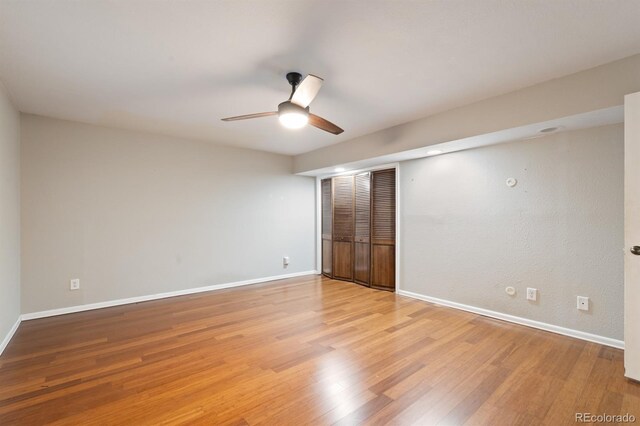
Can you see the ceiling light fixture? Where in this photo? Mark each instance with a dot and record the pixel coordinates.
(294, 112)
(549, 130)
(339, 169)
(434, 152)
(292, 116)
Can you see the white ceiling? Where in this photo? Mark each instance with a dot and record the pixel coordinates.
(177, 67)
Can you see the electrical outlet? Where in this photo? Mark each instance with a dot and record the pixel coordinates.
(285, 261)
(583, 303)
(74, 284)
(532, 294)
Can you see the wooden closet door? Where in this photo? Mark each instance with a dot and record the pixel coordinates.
(383, 229)
(362, 244)
(343, 227)
(327, 229)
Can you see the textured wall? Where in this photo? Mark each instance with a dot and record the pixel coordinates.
(134, 214)
(466, 235)
(9, 214)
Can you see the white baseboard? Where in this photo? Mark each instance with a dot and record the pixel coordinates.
(518, 320)
(138, 299)
(9, 335)
(480, 311)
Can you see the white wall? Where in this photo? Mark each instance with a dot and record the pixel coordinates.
(465, 235)
(134, 214)
(9, 215)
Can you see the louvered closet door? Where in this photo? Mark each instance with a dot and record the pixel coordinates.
(327, 230)
(343, 227)
(362, 249)
(383, 229)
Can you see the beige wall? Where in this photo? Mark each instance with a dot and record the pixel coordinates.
(465, 235)
(135, 214)
(9, 215)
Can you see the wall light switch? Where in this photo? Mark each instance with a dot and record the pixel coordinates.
(583, 303)
(285, 261)
(74, 284)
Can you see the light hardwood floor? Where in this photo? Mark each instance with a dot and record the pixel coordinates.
(302, 351)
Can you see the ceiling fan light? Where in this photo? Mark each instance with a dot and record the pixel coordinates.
(292, 116)
(294, 120)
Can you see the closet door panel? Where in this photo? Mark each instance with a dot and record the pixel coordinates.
(383, 229)
(362, 260)
(383, 193)
(327, 258)
(343, 227)
(343, 208)
(327, 227)
(342, 260)
(383, 273)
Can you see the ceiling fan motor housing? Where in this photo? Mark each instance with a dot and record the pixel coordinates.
(294, 78)
(288, 107)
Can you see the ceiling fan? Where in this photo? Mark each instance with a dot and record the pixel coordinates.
(294, 112)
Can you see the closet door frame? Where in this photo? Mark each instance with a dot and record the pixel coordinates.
(398, 210)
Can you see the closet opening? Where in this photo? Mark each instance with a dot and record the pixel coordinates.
(358, 228)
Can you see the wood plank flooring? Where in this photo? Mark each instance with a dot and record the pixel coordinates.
(302, 351)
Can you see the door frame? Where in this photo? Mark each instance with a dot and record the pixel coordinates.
(631, 268)
(396, 167)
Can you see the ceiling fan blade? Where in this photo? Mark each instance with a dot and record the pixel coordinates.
(248, 116)
(306, 90)
(323, 124)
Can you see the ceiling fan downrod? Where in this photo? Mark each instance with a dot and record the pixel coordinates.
(294, 78)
